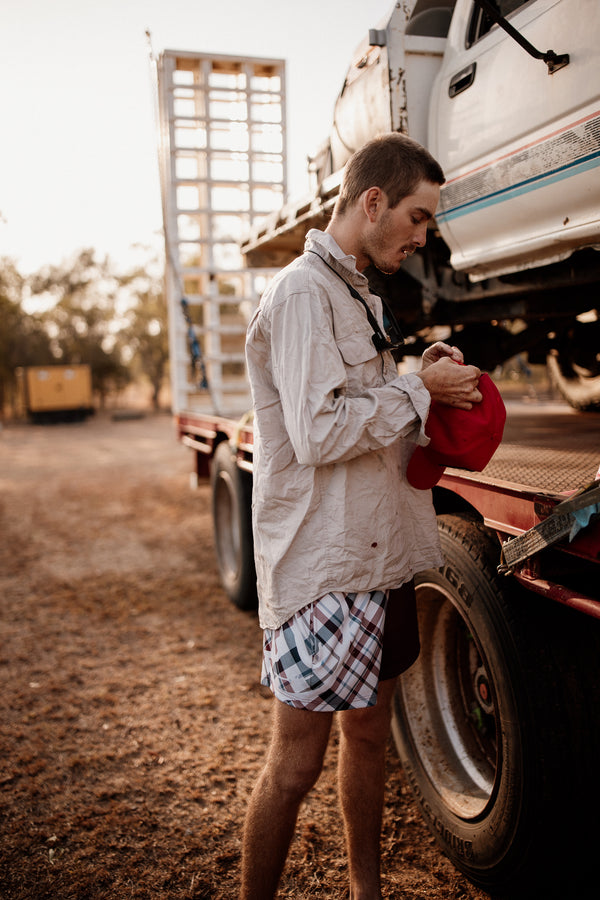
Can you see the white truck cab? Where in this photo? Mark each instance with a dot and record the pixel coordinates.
(520, 145)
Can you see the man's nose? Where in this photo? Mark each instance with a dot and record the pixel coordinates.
(421, 235)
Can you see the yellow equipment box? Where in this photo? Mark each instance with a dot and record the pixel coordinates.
(57, 390)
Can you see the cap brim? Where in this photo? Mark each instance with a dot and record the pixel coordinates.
(421, 472)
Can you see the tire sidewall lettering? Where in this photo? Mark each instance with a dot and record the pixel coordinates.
(454, 579)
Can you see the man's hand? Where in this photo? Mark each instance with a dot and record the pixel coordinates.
(449, 383)
(438, 351)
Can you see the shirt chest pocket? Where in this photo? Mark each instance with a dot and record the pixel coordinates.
(362, 361)
(356, 348)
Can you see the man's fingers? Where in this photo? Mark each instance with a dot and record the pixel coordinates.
(452, 385)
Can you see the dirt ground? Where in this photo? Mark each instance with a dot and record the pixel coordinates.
(132, 725)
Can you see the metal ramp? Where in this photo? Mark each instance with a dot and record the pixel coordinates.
(223, 169)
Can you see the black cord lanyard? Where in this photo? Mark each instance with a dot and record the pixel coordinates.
(382, 341)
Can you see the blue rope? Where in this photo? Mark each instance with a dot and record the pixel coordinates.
(195, 351)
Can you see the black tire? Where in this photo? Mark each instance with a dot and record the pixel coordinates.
(493, 724)
(232, 524)
(574, 367)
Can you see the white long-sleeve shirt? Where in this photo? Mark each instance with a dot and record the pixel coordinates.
(334, 428)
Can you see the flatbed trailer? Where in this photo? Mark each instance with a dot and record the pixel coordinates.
(496, 725)
(543, 460)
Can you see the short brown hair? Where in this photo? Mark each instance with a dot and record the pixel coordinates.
(393, 162)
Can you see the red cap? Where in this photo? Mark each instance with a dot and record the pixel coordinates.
(460, 438)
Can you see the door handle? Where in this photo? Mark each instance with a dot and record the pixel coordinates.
(462, 80)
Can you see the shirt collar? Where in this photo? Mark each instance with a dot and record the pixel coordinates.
(325, 242)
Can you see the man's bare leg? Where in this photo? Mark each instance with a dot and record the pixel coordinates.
(361, 776)
(294, 762)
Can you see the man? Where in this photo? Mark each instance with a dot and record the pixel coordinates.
(338, 529)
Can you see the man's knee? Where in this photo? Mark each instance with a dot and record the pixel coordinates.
(291, 776)
(369, 727)
(364, 733)
(297, 750)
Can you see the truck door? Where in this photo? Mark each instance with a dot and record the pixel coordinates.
(520, 147)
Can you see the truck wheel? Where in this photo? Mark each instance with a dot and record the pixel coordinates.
(574, 368)
(492, 724)
(232, 523)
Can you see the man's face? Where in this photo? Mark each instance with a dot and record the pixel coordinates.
(396, 233)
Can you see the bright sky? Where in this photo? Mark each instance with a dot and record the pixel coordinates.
(78, 163)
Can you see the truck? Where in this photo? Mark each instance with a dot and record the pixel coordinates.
(511, 264)
(55, 393)
(495, 725)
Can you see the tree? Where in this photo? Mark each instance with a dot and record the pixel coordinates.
(23, 338)
(83, 323)
(145, 337)
(115, 322)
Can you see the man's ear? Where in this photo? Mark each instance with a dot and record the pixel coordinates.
(372, 202)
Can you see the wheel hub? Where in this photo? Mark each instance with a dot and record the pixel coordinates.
(483, 691)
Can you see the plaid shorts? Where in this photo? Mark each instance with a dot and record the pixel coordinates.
(327, 657)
